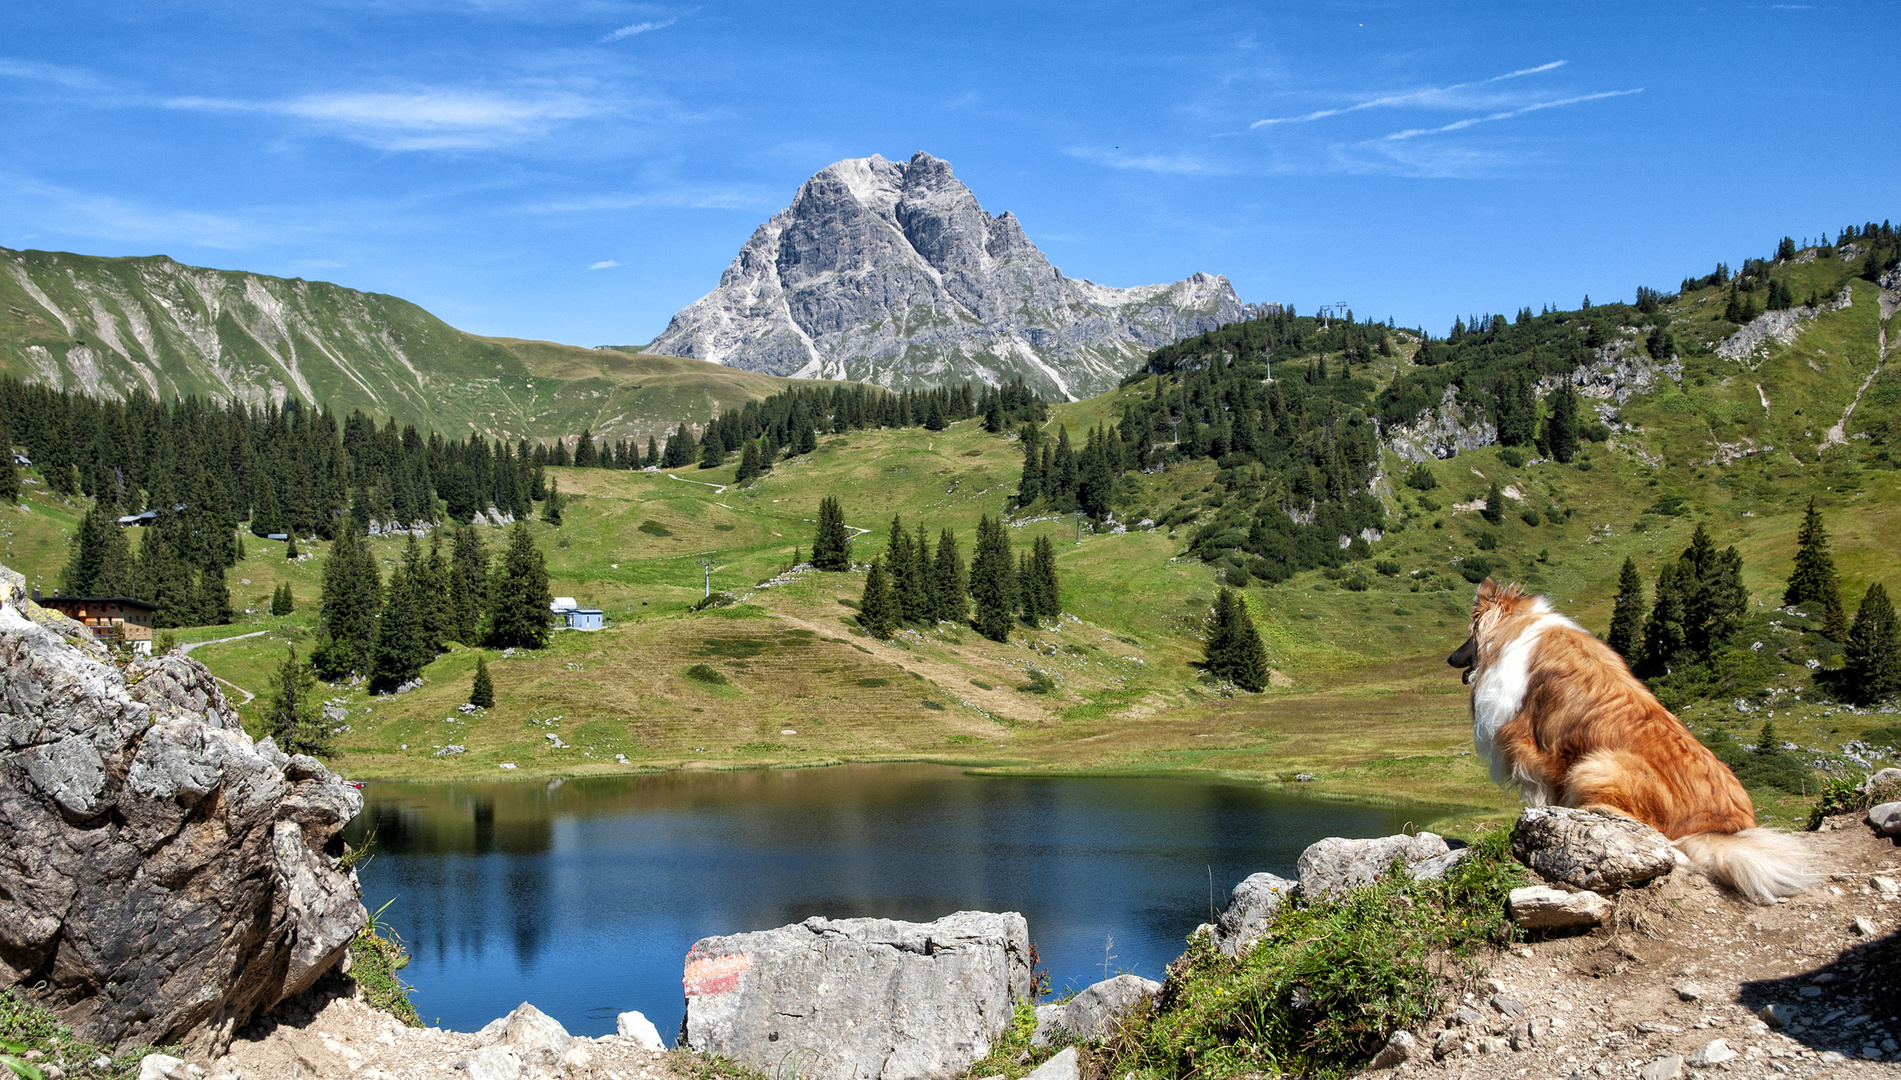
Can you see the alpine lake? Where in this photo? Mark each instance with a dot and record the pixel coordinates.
(583, 895)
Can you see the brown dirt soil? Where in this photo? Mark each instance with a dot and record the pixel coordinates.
(1683, 963)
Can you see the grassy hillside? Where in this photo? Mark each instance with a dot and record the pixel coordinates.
(1361, 705)
(108, 326)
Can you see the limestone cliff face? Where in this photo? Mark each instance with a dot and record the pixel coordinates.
(890, 272)
(163, 878)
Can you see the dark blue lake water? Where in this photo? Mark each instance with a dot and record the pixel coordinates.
(583, 896)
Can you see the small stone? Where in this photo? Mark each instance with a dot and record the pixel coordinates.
(634, 1025)
(1508, 1005)
(1714, 1052)
(166, 1067)
(1689, 991)
(1665, 1067)
(1063, 1066)
(1831, 1057)
(1885, 886)
(496, 1062)
(1656, 1027)
(1541, 907)
(1491, 1045)
(1810, 991)
(1886, 818)
(1776, 1014)
(1447, 1043)
(1464, 1017)
(1864, 926)
(1400, 1047)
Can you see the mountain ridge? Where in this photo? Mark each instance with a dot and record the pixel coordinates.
(893, 273)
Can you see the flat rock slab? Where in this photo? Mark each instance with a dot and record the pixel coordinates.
(859, 999)
(1541, 907)
(1096, 1011)
(1587, 850)
(1250, 910)
(1886, 818)
(1336, 863)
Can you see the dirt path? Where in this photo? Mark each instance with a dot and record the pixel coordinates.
(1689, 964)
(190, 645)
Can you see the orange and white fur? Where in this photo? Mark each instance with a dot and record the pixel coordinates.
(1560, 716)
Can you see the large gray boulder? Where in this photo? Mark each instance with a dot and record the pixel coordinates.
(1095, 1012)
(1250, 910)
(163, 878)
(859, 999)
(1886, 818)
(1335, 864)
(1587, 850)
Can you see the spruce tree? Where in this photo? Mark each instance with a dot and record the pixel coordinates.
(482, 691)
(831, 547)
(520, 599)
(915, 599)
(282, 601)
(949, 601)
(1561, 427)
(653, 454)
(551, 506)
(290, 548)
(292, 713)
(402, 646)
(993, 580)
(468, 584)
(100, 561)
(1234, 651)
(1627, 615)
(9, 472)
(1714, 599)
(878, 606)
(1874, 649)
(1049, 596)
(1494, 511)
(748, 463)
(352, 596)
(1663, 632)
(1814, 579)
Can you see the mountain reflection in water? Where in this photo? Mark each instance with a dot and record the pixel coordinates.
(583, 895)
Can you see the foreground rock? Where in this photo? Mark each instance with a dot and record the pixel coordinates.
(1096, 1012)
(166, 877)
(1541, 907)
(1335, 864)
(1590, 851)
(859, 999)
(1250, 911)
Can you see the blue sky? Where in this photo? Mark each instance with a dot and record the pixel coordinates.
(580, 170)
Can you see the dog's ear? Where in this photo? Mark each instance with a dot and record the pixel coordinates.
(1486, 596)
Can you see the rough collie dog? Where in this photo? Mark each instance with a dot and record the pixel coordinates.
(1562, 718)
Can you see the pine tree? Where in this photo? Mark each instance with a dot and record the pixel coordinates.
(1561, 427)
(352, 595)
(993, 580)
(292, 713)
(831, 547)
(1627, 615)
(519, 594)
(915, 598)
(878, 607)
(1714, 599)
(551, 506)
(748, 463)
(9, 472)
(1814, 579)
(1049, 596)
(1494, 511)
(949, 601)
(1663, 632)
(290, 548)
(100, 563)
(1874, 649)
(401, 647)
(653, 454)
(468, 584)
(1234, 651)
(282, 602)
(482, 692)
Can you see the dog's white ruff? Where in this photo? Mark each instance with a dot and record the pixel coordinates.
(1499, 692)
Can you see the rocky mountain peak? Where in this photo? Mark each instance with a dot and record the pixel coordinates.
(893, 272)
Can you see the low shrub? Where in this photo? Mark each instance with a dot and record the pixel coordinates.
(1387, 567)
(701, 673)
(1512, 456)
(1319, 992)
(713, 600)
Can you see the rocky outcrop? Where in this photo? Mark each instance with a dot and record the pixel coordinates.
(891, 273)
(1096, 1012)
(859, 999)
(1588, 850)
(1444, 430)
(1776, 328)
(1250, 910)
(1334, 864)
(163, 878)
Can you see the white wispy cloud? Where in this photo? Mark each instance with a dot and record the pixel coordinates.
(637, 28)
(604, 264)
(31, 70)
(1426, 97)
(1459, 125)
(1171, 164)
(433, 119)
(74, 212)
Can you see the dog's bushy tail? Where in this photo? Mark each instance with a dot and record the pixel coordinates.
(1761, 864)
